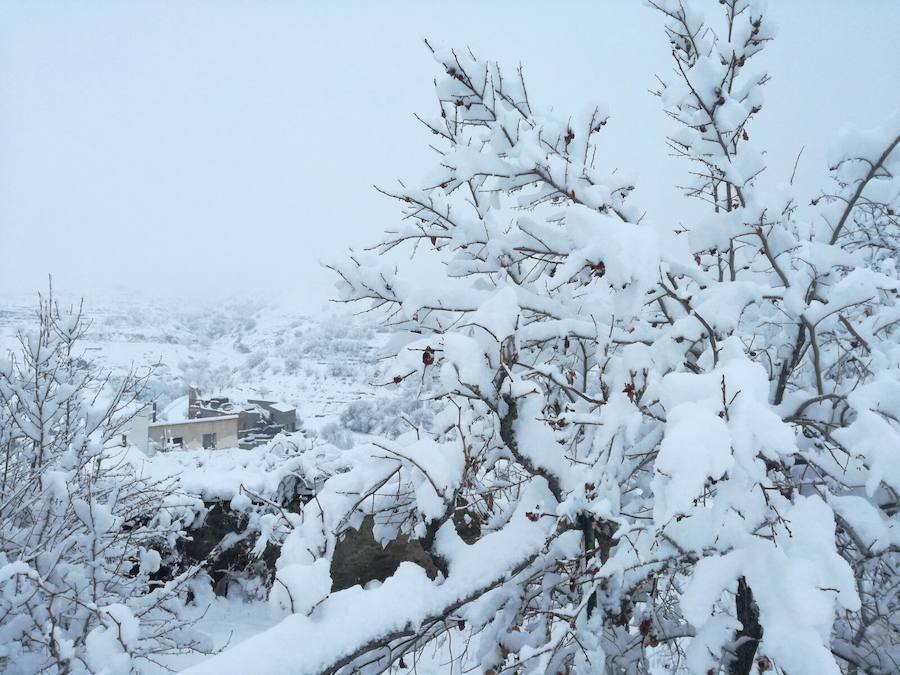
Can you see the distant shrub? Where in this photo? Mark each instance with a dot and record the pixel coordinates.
(384, 415)
(341, 370)
(337, 435)
(256, 358)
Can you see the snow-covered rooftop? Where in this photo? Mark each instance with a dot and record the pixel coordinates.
(170, 423)
(176, 411)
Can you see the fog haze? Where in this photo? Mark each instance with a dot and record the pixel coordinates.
(228, 147)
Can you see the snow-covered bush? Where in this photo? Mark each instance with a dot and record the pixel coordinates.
(255, 359)
(203, 373)
(385, 415)
(678, 444)
(337, 435)
(341, 370)
(83, 538)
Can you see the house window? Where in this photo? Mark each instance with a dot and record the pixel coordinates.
(209, 441)
(178, 441)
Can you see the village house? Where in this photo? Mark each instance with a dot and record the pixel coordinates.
(219, 422)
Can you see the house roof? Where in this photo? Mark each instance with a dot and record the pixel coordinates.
(282, 407)
(178, 423)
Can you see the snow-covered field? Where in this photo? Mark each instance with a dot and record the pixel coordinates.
(227, 622)
(239, 348)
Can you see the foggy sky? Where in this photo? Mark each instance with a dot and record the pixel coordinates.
(223, 147)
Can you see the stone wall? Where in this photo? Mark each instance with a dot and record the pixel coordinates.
(358, 557)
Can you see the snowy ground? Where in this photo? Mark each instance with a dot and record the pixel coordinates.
(227, 622)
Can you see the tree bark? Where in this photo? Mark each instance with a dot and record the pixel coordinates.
(751, 632)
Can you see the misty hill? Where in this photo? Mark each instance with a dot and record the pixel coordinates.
(325, 365)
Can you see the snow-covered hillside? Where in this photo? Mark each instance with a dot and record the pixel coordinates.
(239, 348)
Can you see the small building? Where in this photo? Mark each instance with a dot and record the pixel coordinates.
(280, 413)
(219, 422)
(206, 433)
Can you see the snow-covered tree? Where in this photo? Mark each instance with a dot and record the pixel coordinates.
(822, 323)
(661, 446)
(82, 535)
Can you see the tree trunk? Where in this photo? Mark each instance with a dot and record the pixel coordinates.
(590, 541)
(748, 637)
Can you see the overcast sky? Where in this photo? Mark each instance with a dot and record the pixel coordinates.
(197, 147)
